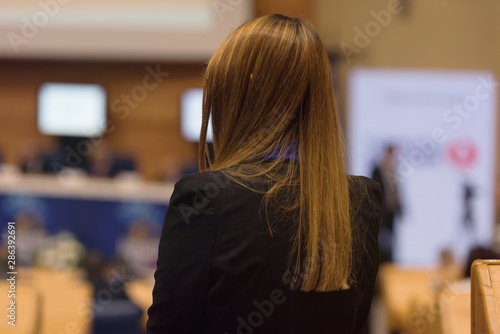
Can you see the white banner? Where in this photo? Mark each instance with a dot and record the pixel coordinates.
(441, 129)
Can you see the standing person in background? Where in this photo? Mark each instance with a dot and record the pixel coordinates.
(384, 174)
(272, 236)
(469, 218)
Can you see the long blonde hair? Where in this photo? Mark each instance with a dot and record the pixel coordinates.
(268, 90)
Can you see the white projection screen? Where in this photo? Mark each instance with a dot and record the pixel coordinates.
(168, 30)
(74, 110)
(191, 115)
(442, 125)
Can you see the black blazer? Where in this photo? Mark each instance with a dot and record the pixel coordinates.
(220, 271)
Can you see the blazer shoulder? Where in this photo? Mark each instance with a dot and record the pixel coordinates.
(200, 186)
(210, 180)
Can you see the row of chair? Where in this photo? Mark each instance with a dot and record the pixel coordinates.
(46, 302)
(416, 302)
(485, 301)
(61, 302)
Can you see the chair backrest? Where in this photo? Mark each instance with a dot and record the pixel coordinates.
(453, 306)
(66, 301)
(27, 311)
(485, 296)
(140, 292)
(401, 289)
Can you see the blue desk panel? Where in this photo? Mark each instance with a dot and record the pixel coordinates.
(98, 224)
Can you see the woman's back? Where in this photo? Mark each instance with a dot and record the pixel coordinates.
(273, 236)
(220, 270)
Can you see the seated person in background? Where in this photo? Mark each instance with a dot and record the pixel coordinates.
(171, 168)
(114, 311)
(138, 250)
(106, 163)
(449, 271)
(4, 254)
(61, 251)
(52, 159)
(479, 253)
(100, 161)
(273, 236)
(30, 237)
(33, 159)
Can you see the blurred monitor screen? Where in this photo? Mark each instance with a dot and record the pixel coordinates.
(191, 115)
(75, 110)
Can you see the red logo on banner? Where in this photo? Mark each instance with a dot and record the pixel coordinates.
(463, 154)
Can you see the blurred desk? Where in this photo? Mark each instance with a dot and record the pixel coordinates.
(140, 292)
(49, 301)
(403, 290)
(414, 305)
(97, 211)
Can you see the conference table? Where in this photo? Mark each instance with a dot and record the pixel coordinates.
(97, 211)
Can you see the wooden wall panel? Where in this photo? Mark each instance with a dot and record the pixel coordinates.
(300, 8)
(151, 130)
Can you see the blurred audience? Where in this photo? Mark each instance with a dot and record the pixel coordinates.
(479, 253)
(104, 162)
(4, 254)
(98, 160)
(62, 251)
(171, 169)
(30, 237)
(448, 272)
(34, 160)
(114, 312)
(139, 249)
